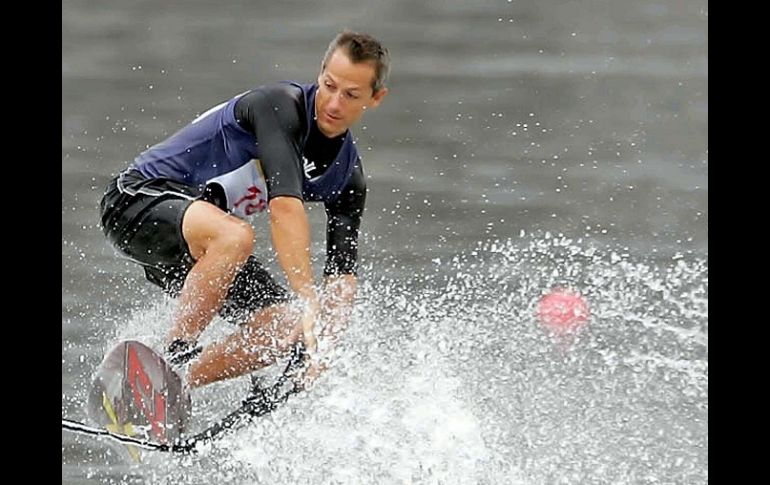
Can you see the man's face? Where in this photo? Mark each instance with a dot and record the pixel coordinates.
(344, 92)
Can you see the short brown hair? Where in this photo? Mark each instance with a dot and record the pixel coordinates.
(362, 48)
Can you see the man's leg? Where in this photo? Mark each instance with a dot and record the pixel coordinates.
(270, 333)
(268, 336)
(220, 244)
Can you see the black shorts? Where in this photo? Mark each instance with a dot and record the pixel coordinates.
(142, 219)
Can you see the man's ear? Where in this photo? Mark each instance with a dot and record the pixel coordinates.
(378, 97)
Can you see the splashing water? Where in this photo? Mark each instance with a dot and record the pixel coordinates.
(448, 378)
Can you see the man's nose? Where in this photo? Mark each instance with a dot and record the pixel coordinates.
(336, 102)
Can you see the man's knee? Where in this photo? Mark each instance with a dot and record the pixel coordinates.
(206, 228)
(237, 239)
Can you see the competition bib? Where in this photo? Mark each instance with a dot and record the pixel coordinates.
(245, 189)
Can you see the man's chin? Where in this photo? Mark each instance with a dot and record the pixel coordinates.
(330, 131)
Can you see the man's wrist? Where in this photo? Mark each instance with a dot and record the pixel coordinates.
(308, 300)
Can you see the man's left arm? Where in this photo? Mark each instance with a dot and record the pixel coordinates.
(342, 231)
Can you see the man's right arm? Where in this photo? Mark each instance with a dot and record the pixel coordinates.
(291, 240)
(274, 115)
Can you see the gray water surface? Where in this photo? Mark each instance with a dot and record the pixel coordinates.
(523, 145)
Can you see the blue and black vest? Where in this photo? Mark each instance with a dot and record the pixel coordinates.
(215, 149)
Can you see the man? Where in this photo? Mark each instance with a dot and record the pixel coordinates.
(179, 211)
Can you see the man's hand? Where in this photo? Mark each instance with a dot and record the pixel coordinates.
(307, 324)
(337, 299)
(313, 370)
(313, 365)
(334, 313)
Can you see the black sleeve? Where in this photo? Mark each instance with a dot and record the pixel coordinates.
(342, 226)
(275, 115)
